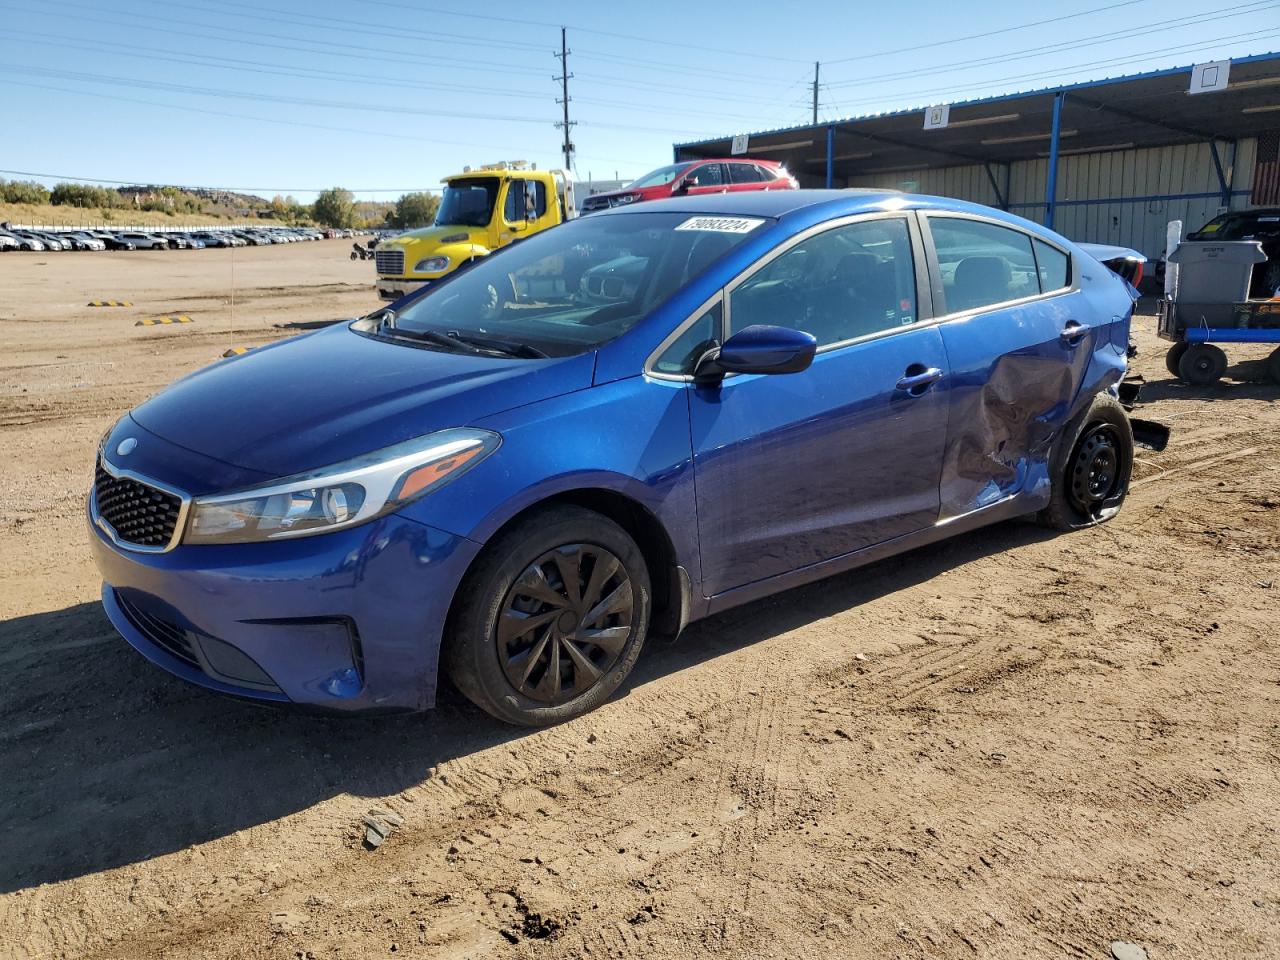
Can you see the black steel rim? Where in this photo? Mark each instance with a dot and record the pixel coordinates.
(565, 622)
(1097, 470)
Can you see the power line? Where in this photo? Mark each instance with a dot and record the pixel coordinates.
(989, 33)
(453, 12)
(161, 86)
(306, 73)
(392, 31)
(249, 66)
(1129, 59)
(1032, 53)
(709, 73)
(381, 55)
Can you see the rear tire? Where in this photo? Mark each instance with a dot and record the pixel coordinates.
(551, 619)
(1202, 364)
(1174, 355)
(1091, 467)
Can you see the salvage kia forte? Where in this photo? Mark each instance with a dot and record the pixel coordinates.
(513, 481)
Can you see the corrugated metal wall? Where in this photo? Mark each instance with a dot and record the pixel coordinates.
(1129, 196)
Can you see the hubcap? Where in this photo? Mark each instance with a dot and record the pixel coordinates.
(1096, 473)
(565, 622)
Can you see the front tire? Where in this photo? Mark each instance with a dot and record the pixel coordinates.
(550, 621)
(1091, 467)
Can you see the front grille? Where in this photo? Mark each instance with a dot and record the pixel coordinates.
(138, 513)
(595, 203)
(168, 636)
(389, 262)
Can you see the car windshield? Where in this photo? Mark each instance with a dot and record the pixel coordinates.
(569, 289)
(1240, 226)
(468, 203)
(662, 175)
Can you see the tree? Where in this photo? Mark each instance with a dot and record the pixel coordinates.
(415, 210)
(23, 191)
(336, 207)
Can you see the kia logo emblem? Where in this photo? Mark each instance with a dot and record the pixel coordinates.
(126, 446)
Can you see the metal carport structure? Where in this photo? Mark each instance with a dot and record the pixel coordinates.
(1142, 141)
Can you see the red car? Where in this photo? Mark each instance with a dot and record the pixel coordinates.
(697, 176)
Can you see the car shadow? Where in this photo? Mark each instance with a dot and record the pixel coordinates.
(112, 761)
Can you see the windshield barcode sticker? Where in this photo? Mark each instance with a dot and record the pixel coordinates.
(721, 224)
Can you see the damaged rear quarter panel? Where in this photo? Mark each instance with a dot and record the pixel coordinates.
(1016, 382)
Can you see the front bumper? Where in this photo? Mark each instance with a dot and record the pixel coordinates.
(347, 622)
(391, 288)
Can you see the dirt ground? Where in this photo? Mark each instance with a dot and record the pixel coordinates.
(1010, 745)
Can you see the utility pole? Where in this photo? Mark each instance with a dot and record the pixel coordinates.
(816, 66)
(564, 78)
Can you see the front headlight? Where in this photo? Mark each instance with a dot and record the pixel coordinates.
(431, 265)
(341, 495)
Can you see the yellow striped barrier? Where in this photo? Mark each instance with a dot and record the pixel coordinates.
(236, 351)
(111, 303)
(152, 321)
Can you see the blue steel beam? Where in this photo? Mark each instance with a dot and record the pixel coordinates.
(1051, 188)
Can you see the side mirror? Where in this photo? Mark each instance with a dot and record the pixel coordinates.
(759, 349)
(682, 186)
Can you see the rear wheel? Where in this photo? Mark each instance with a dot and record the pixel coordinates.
(1174, 355)
(552, 618)
(1091, 467)
(1202, 364)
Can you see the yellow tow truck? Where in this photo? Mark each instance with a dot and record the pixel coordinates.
(481, 210)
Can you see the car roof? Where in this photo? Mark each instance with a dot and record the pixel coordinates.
(761, 203)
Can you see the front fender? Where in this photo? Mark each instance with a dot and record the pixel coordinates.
(629, 437)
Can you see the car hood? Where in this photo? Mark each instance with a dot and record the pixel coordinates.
(334, 394)
(436, 236)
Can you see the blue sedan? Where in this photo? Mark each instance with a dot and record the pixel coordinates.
(515, 483)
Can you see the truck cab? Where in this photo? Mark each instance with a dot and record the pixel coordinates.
(480, 211)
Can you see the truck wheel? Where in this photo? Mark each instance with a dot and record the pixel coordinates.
(1273, 365)
(1090, 467)
(551, 619)
(1202, 364)
(1174, 355)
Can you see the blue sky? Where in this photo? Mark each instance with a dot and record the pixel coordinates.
(290, 96)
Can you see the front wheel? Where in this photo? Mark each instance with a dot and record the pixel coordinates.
(1091, 467)
(552, 618)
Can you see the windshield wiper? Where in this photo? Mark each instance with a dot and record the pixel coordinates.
(505, 347)
(439, 339)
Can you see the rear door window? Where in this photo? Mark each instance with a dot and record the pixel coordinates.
(982, 264)
(709, 175)
(745, 173)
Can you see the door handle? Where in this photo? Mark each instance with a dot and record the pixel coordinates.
(1073, 331)
(916, 383)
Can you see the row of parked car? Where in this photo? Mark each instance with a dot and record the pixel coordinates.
(12, 238)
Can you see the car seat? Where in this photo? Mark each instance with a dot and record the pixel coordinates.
(979, 281)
